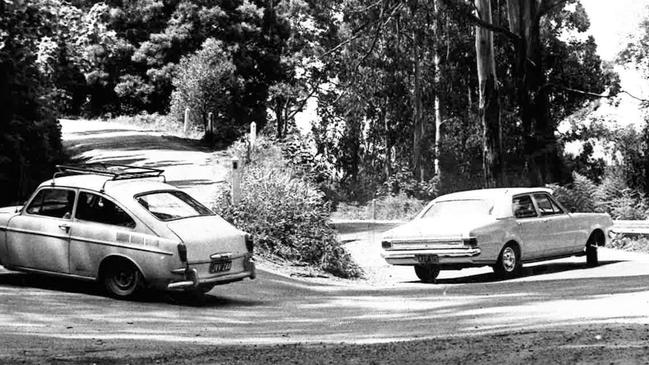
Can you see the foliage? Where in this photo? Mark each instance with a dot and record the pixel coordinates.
(286, 214)
(633, 243)
(391, 207)
(205, 83)
(612, 196)
(30, 142)
(578, 196)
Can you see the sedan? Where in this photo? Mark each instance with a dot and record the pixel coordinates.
(501, 228)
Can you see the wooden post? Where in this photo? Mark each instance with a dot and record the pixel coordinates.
(253, 134)
(186, 125)
(373, 209)
(210, 123)
(236, 181)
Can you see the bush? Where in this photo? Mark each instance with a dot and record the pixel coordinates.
(204, 83)
(398, 207)
(579, 196)
(612, 196)
(287, 214)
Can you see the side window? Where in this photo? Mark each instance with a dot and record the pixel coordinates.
(55, 203)
(546, 205)
(96, 208)
(523, 207)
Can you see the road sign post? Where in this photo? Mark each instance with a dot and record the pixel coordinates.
(236, 181)
(186, 124)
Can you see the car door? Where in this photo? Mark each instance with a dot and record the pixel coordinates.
(99, 229)
(559, 233)
(39, 238)
(530, 227)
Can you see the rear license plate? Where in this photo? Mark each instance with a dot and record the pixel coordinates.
(220, 266)
(427, 259)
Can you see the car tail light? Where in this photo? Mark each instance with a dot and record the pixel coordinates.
(250, 243)
(182, 252)
(386, 244)
(472, 242)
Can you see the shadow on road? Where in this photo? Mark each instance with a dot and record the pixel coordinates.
(91, 288)
(527, 271)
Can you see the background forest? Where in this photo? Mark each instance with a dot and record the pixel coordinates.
(413, 98)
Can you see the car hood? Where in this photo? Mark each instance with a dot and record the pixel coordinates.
(208, 235)
(11, 210)
(437, 228)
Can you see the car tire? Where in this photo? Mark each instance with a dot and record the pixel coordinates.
(427, 273)
(591, 254)
(122, 279)
(509, 262)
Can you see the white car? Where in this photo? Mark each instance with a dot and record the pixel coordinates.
(125, 228)
(503, 228)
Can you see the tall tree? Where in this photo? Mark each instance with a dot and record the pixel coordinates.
(489, 103)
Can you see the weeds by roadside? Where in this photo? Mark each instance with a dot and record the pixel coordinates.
(286, 213)
(398, 207)
(633, 243)
(162, 123)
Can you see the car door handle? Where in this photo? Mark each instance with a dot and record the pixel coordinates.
(64, 227)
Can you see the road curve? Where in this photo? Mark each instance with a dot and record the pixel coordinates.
(40, 316)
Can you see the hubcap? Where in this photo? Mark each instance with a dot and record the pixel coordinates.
(124, 279)
(509, 259)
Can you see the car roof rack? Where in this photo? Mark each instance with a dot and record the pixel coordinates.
(115, 171)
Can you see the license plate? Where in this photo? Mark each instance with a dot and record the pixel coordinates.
(427, 259)
(220, 266)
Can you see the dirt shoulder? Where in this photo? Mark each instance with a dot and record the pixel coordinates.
(610, 344)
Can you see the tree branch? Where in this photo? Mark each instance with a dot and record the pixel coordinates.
(462, 8)
(595, 95)
(548, 5)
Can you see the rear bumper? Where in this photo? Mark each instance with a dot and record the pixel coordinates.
(194, 279)
(452, 256)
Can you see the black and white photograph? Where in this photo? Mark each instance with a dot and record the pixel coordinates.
(324, 182)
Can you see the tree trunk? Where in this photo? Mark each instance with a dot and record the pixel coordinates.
(279, 116)
(436, 71)
(540, 144)
(418, 122)
(489, 104)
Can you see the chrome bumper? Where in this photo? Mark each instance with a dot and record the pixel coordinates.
(192, 279)
(446, 256)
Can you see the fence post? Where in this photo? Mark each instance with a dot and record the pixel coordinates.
(210, 123)
(253, 134)
(236, 181)
(186, 125)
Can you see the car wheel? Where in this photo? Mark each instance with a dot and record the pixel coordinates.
(509, 262)
(427, 273)
(122, 279)
(591, 254)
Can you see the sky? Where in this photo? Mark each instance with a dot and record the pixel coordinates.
(611, 21)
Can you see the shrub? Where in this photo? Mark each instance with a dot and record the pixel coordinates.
(579, 196)
(204, 83)
(612, 196)
(286, 213)
(397, 207)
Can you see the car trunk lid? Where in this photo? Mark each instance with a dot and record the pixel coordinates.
(438, 230)
(208, 236)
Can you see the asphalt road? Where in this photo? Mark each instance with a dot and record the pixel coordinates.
(557, 305)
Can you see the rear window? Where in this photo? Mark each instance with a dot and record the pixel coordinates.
(459, 209)
(172, 205)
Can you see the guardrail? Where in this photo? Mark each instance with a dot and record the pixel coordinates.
(631, 227)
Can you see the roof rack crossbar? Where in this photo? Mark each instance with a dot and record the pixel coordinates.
(115, 171)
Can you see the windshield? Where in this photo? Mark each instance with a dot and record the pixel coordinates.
(170, 205)
(459, 209)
